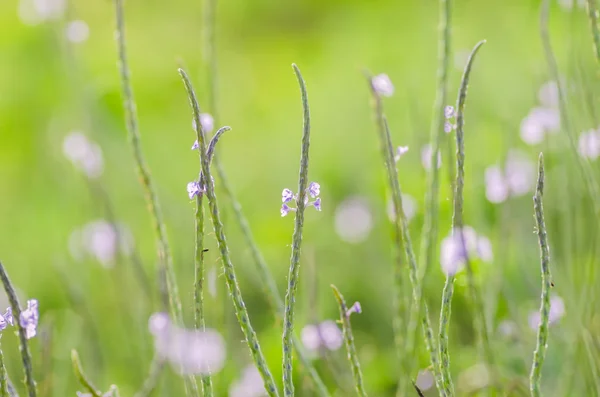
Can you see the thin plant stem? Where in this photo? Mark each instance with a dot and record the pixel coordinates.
(82, 377)
(592, 10)
(430, 229)
(164, 253)
(23, 344)
(457, 225)
(349, 341)
(156, 369)
(166, 269)
(3, 377)
(294, 271)
(230, 277)
(542, 333)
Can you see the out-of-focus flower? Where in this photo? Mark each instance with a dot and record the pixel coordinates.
(454, 251)
(313, 190)
(29, 318)
(517, 178)
(250, 384)
(409, 206)
(355, 308)
(77, 31)
(208, 125)
(426, 157)
(194, 189)
(33, 12)
(101, 240)
(449, 112)
(476, 377)
(400, 151)
(382, 85)
(189, 351)
(568, 4)
(507, 329)
(537, 123)
(6, 319)
(424, 380)
(84, 154)
(557, 311)
(353, 220)
(325, 335)
(589, 144)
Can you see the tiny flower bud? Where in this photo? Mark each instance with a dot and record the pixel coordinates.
(382, 85)
(287, 195)
(449, 112)
(314, 189)
(317, 204)
(355, 308)
(448, 127)
(193, 189)
(401, 151)
(285, 209)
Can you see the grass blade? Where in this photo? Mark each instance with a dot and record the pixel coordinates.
(542, 334)
(457, 224)
(349, 340)
(156, 368)
(290, 296)
(230, 277)
(23, 344)
(82, 377)
(593, 17)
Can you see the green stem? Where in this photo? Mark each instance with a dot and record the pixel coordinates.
(3, 377)
(542, 334)
(349, 340)
(82, 377)
(156, 368)
(290, 296)
(230, 277)
(457, 226)
(593, 16)
(23, 344)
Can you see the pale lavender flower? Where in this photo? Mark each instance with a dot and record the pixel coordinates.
(287, 195)
(448, 127)
(353, 220)
(532, 132)
(409, 206)
(190, 352)
(208, 125)
(355, 308)
(424, 380)
(382, 85)
(520, 173)
(588, 145)
(557, 311)
(454, 251)
(83, 154)
(100, 240)
(449, 112)
(8, 316)
(193, 189)
(537, 123)
(548, 94)
(426, 157)
(496, 188)
(324, 335)
(29, 318)
(33, 12)
(77, 31)
(249, 385)
(401, 151)
(314, 189)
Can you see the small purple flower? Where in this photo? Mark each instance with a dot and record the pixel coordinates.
(314, 189)
(8, 316)
(287, 195)
(317, 204)
(448, 127)
(401, 151)
(382, 85)
(285, 209)
(355, 308)
(29, 318)
(193, 189)
(449, 112)
(195, 146)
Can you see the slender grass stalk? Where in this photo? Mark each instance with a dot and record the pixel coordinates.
(164, 252)
(3, 377)
(82, 377)
(156, 368)
(23, 344)
(457, 224)
(230, 277)
(402, 241)
(294, 271)
(430, 229)
(349, 340)
(166, 270)
(592, 10)
(542, 334)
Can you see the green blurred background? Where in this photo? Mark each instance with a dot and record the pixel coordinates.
(50, 86)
